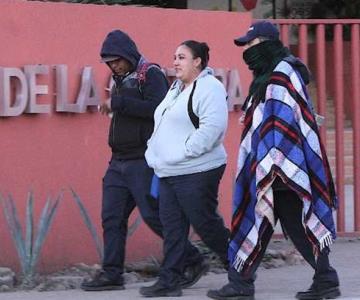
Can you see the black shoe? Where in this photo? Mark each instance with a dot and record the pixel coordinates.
(193, 273)
(314, 293)
(227, 292)
(102, 283)
(159, 290)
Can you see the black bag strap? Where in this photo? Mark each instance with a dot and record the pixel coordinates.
(194, 118)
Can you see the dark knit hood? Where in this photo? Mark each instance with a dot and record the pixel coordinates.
(118, 43)
(298, 65)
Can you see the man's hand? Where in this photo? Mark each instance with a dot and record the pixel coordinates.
(105, 108)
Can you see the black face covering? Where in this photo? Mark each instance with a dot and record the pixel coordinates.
(256, 58)
(261, 59)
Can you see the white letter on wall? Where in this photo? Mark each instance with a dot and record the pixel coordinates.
(62, 102)
(88, 95)
(31, 71)
(21, 88)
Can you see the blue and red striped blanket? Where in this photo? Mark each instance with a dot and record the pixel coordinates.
(280, 138)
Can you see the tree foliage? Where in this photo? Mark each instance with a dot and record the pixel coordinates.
(321, 9)
(156, 3)
(336, 9)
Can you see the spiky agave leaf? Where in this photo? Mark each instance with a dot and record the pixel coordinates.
(12, 219)
(89, 224)
(37, 241)
(29, 232)
(44, 224)
(155, 261)
(134, 226)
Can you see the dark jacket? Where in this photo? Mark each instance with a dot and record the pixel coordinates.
(133, 102)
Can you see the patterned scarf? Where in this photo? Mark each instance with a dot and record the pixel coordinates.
(280, 138)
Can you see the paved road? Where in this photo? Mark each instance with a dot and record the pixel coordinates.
(272, 284)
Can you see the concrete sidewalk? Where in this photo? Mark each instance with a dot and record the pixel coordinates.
(274, 284)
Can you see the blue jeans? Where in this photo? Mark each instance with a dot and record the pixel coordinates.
(126, 185)
(190, 200)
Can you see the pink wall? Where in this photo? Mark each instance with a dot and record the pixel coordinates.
(49, 152)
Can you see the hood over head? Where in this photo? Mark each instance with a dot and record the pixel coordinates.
(119, 44)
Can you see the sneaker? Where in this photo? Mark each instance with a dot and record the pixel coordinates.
(193, 273)
(102, 283)
(227, 292)
(160, 290)
(319, 293)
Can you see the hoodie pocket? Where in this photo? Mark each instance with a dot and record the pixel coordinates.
(171, 153)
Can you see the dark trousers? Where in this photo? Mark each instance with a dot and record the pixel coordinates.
(126, 185)
(288, 209)
(190, 200)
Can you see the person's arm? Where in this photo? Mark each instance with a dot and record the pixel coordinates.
(154, 90)
(213, 117)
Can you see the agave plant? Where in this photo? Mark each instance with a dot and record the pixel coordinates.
(92, 229)
(89, 224)
(29, 248)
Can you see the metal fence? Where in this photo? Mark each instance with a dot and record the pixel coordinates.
(324, 36)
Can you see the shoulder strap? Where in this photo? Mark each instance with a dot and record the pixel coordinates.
(141, 73)
(194, 118)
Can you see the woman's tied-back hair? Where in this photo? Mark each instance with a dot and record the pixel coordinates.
(198, 49)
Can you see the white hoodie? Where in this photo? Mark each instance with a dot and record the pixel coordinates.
(176, 147)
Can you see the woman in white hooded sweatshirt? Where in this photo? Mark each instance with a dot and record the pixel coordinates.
(187, 153)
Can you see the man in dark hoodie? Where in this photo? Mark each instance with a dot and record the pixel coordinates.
(139, 88)
(283, 172)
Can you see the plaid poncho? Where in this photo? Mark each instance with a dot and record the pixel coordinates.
(280, 138)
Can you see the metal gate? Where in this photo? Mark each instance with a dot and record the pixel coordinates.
(331, 49)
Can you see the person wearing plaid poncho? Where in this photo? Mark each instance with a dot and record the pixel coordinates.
(283, 172)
